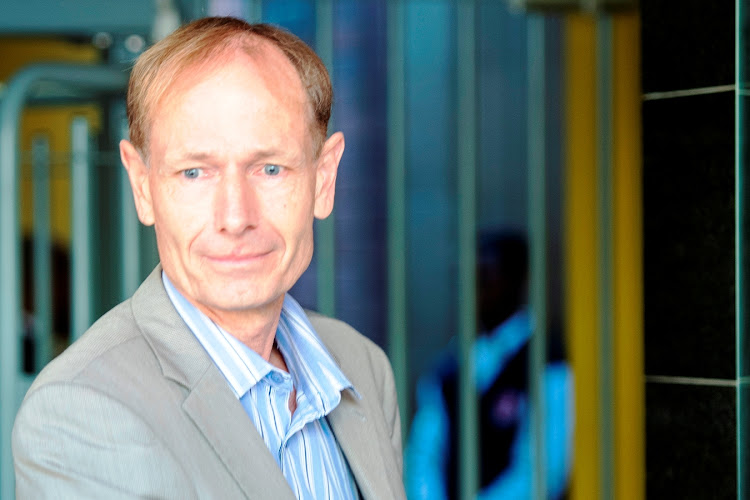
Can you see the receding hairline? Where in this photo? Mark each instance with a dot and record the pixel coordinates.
(209, 64)
(205, 68)
(160, 74)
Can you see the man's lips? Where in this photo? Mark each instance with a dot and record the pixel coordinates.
(237, 258)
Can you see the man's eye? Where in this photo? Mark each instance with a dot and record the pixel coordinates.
(272, 169)
(192, 173)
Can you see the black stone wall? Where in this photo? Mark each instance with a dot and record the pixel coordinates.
(688, 59)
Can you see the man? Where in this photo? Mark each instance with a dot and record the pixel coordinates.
(501, 369)
(211, 381)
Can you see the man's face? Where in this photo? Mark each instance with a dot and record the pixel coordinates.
(232, 184)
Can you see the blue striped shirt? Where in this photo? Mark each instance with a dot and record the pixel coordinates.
(302, 443)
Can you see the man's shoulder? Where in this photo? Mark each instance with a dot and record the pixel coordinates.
(357, 355)
(335, 329)
(115, 335)
(339, 336)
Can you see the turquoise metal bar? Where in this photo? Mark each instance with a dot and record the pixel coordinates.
(467, 193)
(10, 305)
(256, 11)
(40, 168)
(196, 8)
(130, 231)
(81, 241)
(396, 117)
(537, 185)
(606, 257)
(325, 235)
(93, 78)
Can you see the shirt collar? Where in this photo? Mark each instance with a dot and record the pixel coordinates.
(313, 369)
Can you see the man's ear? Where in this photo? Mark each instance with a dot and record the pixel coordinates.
(138, 175)
(326, 170)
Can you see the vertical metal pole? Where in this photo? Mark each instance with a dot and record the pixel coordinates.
(467, 173)
(256, 11)
(81, 276)
(580, 239)
(606, 258)
(538, 245)
(10, 285)
(130, 232)
(196, 9)
(325, 236)
(40, 167)
(396, 112)
(627, 274)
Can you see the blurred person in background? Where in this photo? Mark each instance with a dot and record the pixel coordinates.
(501, 355)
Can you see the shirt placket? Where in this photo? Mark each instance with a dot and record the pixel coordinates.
(304, 415)
(281, 388)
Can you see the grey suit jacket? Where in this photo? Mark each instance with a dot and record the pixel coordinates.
(136, 408)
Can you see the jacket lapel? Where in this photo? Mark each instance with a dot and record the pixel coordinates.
(224, 423)
(210, 402)
(366, 444)
(360, 443)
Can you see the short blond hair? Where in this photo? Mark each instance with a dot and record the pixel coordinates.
(200, 43)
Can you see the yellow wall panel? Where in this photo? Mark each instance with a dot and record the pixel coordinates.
(581, 248)
(628, 261)
(20, 51)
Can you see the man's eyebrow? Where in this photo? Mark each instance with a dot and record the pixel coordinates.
(195, 156)
(181, 156)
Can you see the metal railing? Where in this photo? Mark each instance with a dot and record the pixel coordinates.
(92, 80)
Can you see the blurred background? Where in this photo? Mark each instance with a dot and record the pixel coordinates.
(539, 216)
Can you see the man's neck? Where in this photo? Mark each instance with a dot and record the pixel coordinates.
(255, 328)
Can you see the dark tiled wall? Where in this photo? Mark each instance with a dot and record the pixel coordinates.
(689, 235)
(689, 206)
(691, 441)
(687, 44)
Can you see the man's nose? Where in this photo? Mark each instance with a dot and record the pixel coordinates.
(236, 203)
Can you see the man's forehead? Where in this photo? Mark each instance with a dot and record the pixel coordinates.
(258, 56)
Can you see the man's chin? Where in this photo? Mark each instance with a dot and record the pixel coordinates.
(242, 300)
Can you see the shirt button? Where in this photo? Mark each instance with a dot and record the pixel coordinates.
(276, 378)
